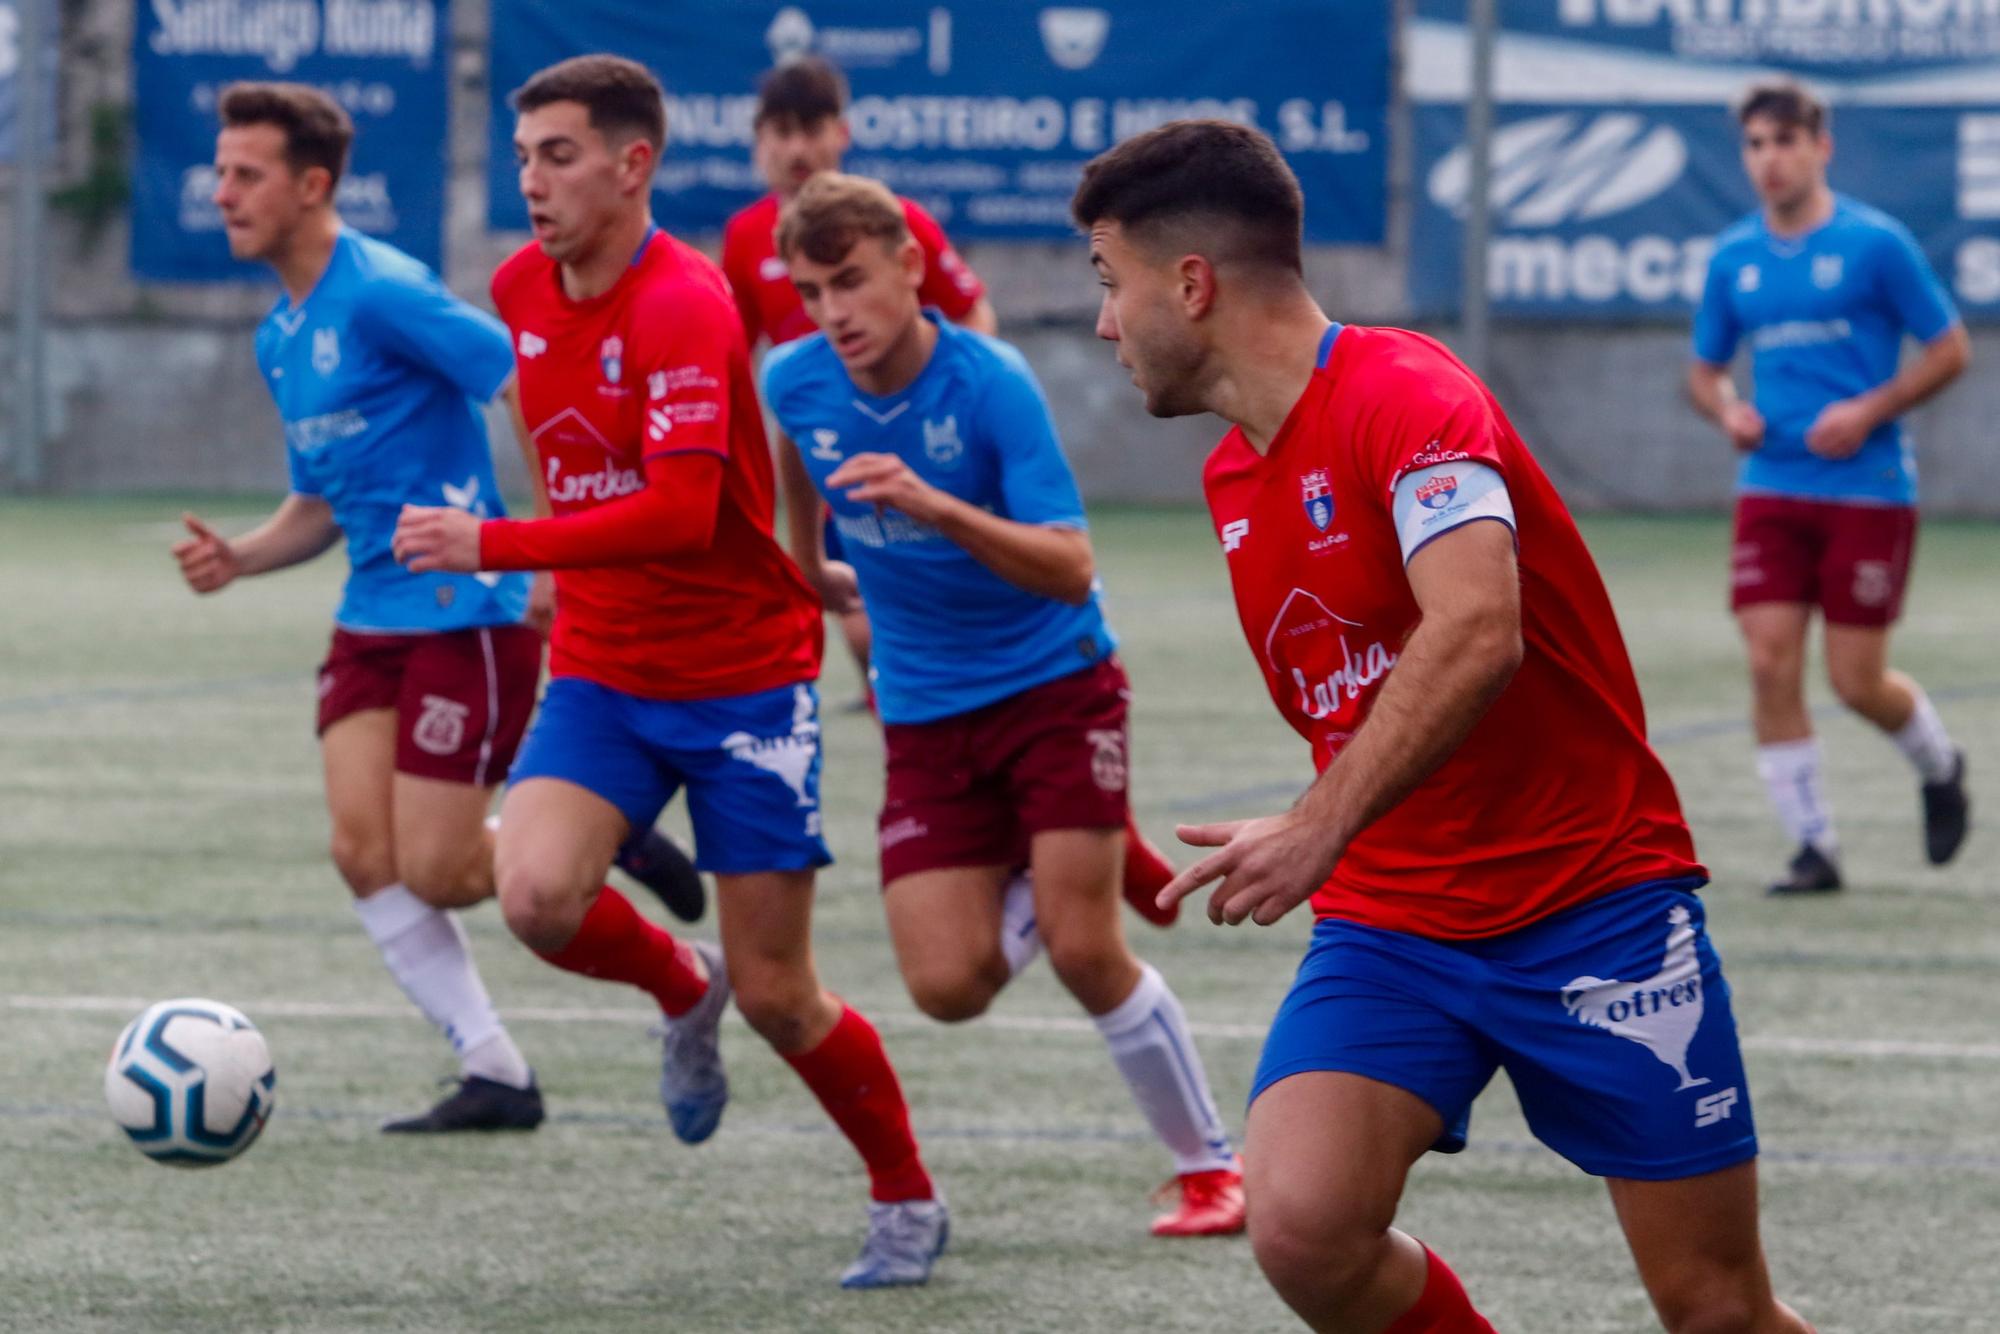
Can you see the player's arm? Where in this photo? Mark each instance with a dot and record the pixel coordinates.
(805, 538)
(1710, 385)
(1843, 427)
(1461, 656)
(299, 529)
(1050, 560)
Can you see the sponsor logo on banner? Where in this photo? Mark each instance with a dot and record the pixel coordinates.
(284, 32)
(1316, 494)
(1803, 32)
(793, 34)
(1074, 37)
(1553, 175)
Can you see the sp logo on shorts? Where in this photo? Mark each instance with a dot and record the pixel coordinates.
(1872, 585)
(1714, 1107)
(1107, 759)
(1661, 1013)
(440, 729)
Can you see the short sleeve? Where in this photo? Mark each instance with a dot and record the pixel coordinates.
(1715, 326)
(683, 358)
(1913, 289)
(1036, 484)
(420, 322)
(1431, 501)
(1435, 450)
(949, 282)
(300, 472)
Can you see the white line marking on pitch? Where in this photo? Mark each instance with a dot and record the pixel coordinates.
(1845, 1048)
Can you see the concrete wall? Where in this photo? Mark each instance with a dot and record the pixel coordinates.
(153, 385)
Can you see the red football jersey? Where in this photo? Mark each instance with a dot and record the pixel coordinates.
(658, 365)
(770, 305)
(1555, 797)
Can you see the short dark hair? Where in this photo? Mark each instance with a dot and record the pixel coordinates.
(1786, 101)
(832, 211)
(621, 95)
(807, 91)
(318, 131)
(1212, 185)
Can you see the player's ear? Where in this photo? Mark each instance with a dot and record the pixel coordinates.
(1195, 285)
(316, 184)
(635, 164)
(910, 257)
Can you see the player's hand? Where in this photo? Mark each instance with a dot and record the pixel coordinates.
(1744, 426)
(886, 482)
(437, 538)
(206, 559)
(1267, 867)
(1840, 429)
(838, 587)
(541, 615)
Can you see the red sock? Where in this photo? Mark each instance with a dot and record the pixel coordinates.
(851, 1076)
(618, 945)
(1443, 1308)
(1147, 872)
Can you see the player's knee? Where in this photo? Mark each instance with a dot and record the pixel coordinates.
(542, 908)
(365, 860)
(1097, 971)
(443, 878)
(1305, 1243)
(952, 999)
(1776, 669)
(1857, 689)
(1718, 1308)
(778, 1008)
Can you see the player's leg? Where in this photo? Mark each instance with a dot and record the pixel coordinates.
(1710, 1279)
(1774, 585)
(948, 927)
(1326, 1155)
(1866, 572)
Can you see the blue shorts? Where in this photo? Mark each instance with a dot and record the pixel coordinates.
(750, 764)
(1612, 1019)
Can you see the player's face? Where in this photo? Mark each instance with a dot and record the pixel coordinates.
(1143, 315)
(789, 152)
(578, 184)
(866, 304)
(1786, 163)
(261, 198)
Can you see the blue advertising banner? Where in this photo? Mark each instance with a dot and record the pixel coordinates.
(984, 113)
(1615, 158)
(386, 61)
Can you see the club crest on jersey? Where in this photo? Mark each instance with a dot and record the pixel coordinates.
(1436, 493)
(326, 350)
(611, 357)
(1316, 494)
(941, 441)
(1826, 271)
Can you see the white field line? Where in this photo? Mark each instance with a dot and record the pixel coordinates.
(1837, 1048)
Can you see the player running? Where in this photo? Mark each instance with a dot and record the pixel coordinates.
(1003, 709)
(1824, 289)
(685, 642)
(801, 129)
(430, 678)
(1497, 861)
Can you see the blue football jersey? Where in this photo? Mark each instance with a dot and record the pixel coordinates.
(378, 375)
(949, 634)
(1825, 315)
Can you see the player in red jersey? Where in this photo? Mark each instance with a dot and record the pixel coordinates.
(802, 131)
(1497, 860)
(685, 641)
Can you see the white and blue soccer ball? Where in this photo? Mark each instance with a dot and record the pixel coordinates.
(190, 1081)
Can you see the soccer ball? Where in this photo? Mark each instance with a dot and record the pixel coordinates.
(191, 1082)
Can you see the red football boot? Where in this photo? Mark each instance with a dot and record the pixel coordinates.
(1211, 1205)
(1147, 872)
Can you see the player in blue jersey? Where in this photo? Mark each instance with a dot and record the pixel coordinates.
(377, 372)
(1824, 289)
(1003, 707)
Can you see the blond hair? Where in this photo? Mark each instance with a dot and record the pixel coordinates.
(832, 211)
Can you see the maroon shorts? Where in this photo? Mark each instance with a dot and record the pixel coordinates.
(1852, 561)
(462, 697)
(971, 790)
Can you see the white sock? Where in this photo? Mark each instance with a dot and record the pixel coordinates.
(1150, 1043)
(1924, 742)
(1019, 940)
(426, 951)
(1790, 770)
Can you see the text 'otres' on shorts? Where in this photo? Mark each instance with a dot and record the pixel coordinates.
(1611, 1018)
(750, 764)
(973, 789)
(1851, 561)
(462, 697)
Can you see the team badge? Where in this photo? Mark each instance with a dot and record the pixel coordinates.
(1826, 271)
(1316, 494)
(941, 442)
(326, 350)
(1436, 493)
(1749, 278)
(1107, 760)
(440, 729)
(611, 356)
